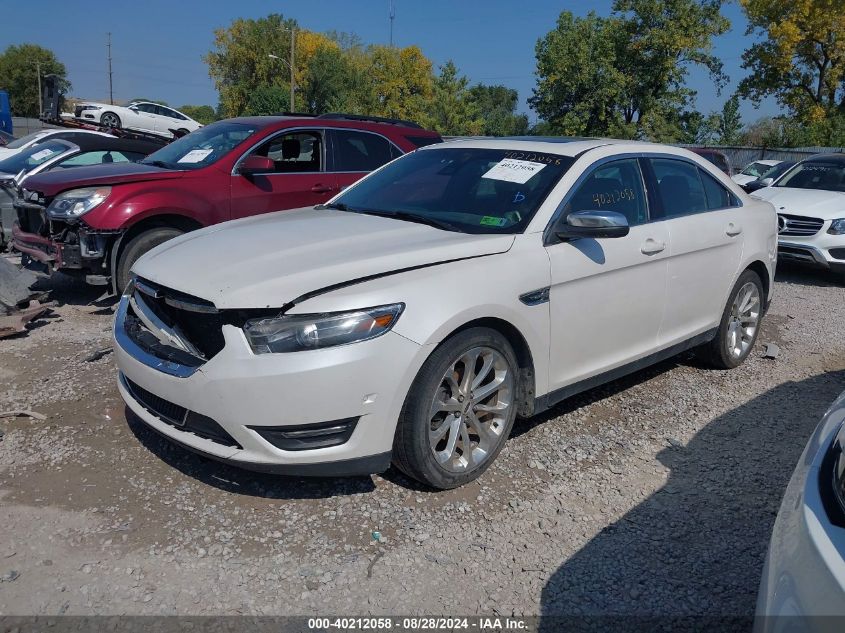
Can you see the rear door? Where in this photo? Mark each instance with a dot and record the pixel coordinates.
(705, 223)
(355, 153)
(299, 178)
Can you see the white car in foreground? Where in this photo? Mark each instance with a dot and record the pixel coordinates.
(803, 584)
(810, 202)
(139, 115)
(414, 316)
(753, 171)
(41, 136)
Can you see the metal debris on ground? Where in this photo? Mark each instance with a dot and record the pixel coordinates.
(98, 354)
(770, 350)
(23, 413)
(19, 304)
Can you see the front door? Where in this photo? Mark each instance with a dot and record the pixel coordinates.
(299, 178)
(607, 295)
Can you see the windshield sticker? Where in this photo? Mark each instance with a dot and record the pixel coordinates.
(195, 156)
(489, 220)
(513, 170)
(44, 153)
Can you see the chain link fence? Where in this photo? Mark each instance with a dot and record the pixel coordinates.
(740, 156)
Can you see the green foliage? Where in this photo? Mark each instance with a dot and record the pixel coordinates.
(18, 75)
(453, 110)
(266, 100)
(730, 122)
(205, 114)
(497, 108)
(334, 83)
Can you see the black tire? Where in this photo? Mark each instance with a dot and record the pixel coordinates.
(412, 450)
(136, 247)
(110, 120)
(717, 352)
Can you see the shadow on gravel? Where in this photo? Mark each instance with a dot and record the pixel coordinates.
(696, 547)
(67, 290)
(240, 481)
(790, 273)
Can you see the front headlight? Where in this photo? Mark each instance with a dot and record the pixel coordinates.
(837, 227)
(72, 204)
(299, 332)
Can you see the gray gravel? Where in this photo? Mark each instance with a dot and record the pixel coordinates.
(653, 495)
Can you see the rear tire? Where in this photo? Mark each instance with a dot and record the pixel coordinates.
(740, 324)
(110, 119)
(459, 410)
(136, 247)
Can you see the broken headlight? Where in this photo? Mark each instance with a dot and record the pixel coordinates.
(76, 202)
(837, 227)
(299, 332)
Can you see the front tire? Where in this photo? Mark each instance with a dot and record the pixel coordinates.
(136, 247)
(740, 324)
(459, 410)
(110, 119)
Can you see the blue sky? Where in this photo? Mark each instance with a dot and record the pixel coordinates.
(157, 45)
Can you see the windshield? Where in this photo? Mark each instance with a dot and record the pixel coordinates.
(23, 140)
(201, 148)
(470, 190)
(30, 158)
(756, 169)
(815, 174)
(777, 170)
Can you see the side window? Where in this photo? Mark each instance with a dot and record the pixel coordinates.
(679, 188)
(294, 152)
(615, 186)
(717, 196)
(359, 151)
(98, 158)
(149, 108)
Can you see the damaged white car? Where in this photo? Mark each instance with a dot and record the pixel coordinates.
(416, 315)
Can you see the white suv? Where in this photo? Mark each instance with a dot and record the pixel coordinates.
(413, 317)
(810, 202)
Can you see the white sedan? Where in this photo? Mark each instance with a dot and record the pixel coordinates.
(803, 584)
(753, 171)
(138, 115)
(810, 202)
(415, 315)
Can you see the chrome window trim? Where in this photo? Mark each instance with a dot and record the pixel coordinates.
(548, 233)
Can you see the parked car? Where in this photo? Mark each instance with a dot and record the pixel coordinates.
(138, 115)
(88, 148)
(5, 138)
(716, 157)
(437, 299)
(34, 138)
(753, 171)
(803, 583)
(768, 177)
(96, 221)
(810, 201)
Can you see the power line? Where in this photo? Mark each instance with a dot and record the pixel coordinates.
(111, 91)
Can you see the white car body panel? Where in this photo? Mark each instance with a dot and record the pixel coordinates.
(744, 179)
(609, 305)
(5, 152)
(804, 574)
(132, 118)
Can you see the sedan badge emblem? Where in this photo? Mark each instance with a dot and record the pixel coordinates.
(781, 224)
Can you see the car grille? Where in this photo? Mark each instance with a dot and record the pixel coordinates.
(194, 320)
(798, 225)
(796, 253)
(180, 417)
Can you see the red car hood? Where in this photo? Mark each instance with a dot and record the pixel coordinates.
(51, 183)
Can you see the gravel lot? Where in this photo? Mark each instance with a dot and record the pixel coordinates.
(653, 495)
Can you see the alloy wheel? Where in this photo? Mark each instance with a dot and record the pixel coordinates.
(109, 120)
(470, 409)
(743, 320)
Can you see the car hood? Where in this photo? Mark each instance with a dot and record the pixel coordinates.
(271, 260)
(827, 205)
(51, 183)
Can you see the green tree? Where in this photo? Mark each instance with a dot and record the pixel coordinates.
(205, 114)
(453, 111)
(624, 74)
(730, 122)
(266, 100)
(497, 106)
(800, 58)
(402, 82)
(19, 75)
(334, 83)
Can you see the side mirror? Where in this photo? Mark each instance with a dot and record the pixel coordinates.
(766, 182)
(593, 224)
(252, 165)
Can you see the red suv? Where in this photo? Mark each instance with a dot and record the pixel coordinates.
(96, 221)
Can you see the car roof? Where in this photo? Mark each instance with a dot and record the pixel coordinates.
(828, 158)
(285, 120)
(98, 142)
(560, 145)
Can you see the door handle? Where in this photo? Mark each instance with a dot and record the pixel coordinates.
(733, 229)
(320, 188)
(652, 247)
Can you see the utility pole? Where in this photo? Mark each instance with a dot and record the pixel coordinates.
(292, 76)
(111, 93)
(38, 74)
(392, 15)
